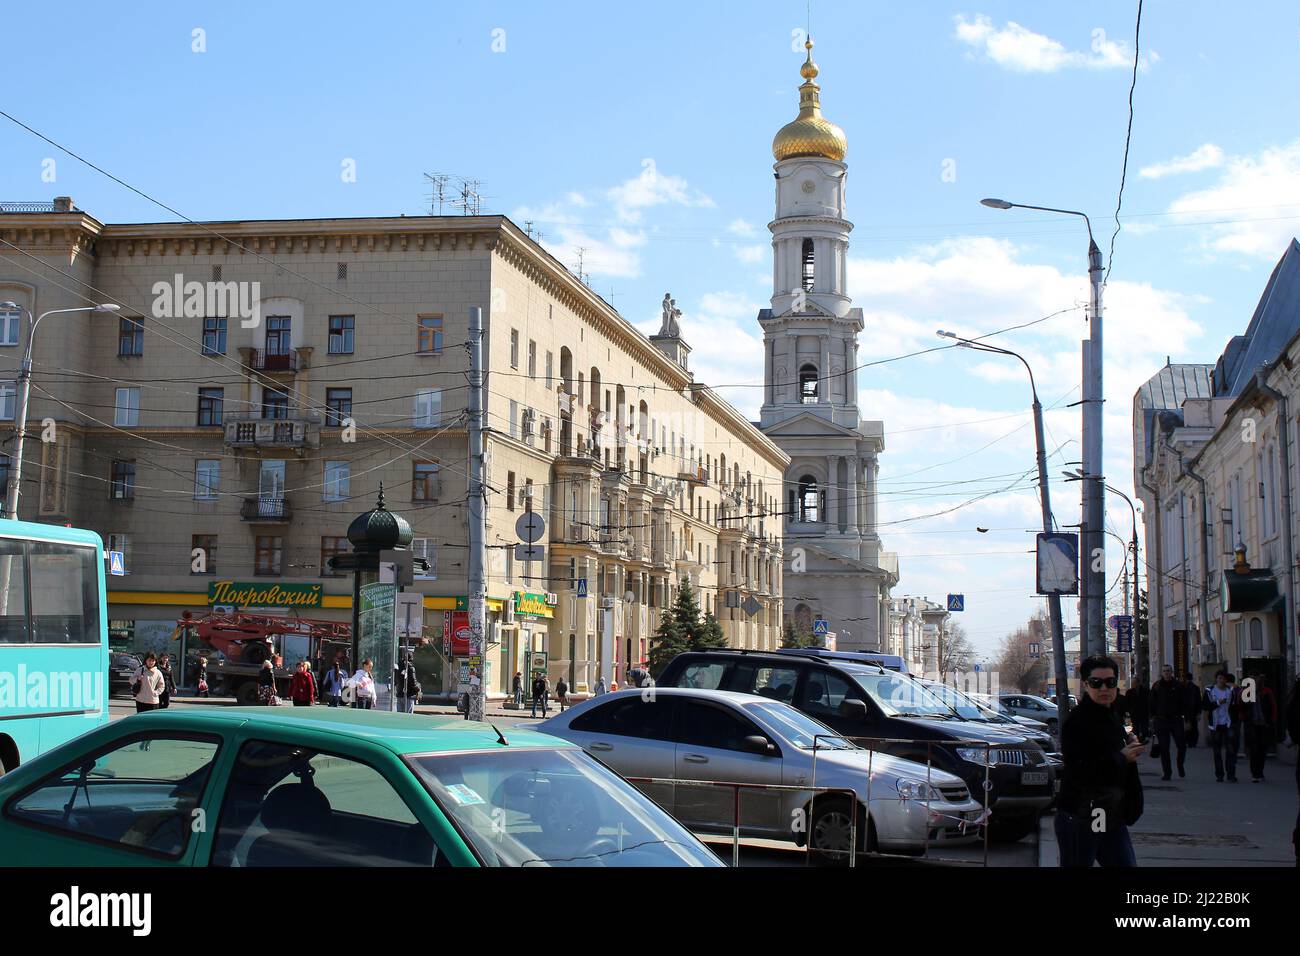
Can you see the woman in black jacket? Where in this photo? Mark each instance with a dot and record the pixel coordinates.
(1101, 795)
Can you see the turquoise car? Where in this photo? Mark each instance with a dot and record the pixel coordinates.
(258, 787)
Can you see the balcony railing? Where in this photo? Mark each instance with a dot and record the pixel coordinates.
(266, 510)
(266, 431)
(264, 361)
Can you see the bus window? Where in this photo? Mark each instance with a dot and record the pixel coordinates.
(65, 594)
(13, 593)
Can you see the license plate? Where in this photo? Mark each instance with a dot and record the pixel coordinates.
(1033, 777)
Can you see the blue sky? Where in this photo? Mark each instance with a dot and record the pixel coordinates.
(642, 134)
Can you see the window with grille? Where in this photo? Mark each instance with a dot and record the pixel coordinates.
(342, 334)
(341, 272)
(430, 337)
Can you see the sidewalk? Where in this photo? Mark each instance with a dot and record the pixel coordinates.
(1195, 821)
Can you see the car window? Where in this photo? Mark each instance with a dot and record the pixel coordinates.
(767, 680)
(294, 806)
(703, 676)
(824, 692)
(707, 725)
(800, 729)
(629, 717)
(140, 794)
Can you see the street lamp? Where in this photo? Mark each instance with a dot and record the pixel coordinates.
(24, 392)
(1053, 600)
(1094, 503)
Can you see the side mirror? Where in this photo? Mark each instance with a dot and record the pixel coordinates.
(758, 744)
(853, 708)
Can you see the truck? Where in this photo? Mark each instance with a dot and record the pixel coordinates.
(242, 642)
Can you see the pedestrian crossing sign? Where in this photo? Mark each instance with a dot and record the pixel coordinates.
(116, 563)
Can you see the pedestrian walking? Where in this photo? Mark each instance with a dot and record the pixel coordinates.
(363, 686)
(517, 689)
(1101, 793)
(1221, 725)
(148, 685)
(203, 677)
(266, 685)
(407, 683)
(1168, 711)
(541, 690)
(1257, 720)
(302, 689)
(600, 687)
(562, 693)
(332, 684)
(1195, 700)
(169, 682)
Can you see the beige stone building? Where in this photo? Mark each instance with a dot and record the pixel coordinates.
(264, 377)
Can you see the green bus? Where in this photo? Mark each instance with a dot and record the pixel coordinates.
(53, 638)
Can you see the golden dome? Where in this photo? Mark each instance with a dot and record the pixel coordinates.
(810, 134)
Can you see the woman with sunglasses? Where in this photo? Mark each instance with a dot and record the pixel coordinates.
(1101, 795)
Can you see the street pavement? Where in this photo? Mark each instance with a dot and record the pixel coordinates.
(1197, 822)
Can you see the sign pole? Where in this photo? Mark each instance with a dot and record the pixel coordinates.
(476, 584)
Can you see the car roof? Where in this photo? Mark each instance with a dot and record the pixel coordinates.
(731, 696)
(400, 733)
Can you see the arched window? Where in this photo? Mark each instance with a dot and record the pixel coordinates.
(1256, 634)
(809, 263)
(808, 385)
(809, 503)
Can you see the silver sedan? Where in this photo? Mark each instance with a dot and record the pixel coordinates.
(660, 737)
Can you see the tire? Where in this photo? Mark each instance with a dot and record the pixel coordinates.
(3, 769)
(828, 830)
(246, 694)
(1011, 829)
(255, 653)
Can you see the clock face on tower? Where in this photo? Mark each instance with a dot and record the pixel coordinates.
(808, 186)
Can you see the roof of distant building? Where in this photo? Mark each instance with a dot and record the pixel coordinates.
(1275, 323)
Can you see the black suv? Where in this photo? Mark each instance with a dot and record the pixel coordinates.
(888, 712)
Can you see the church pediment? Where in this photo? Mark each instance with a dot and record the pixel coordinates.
(808, 425)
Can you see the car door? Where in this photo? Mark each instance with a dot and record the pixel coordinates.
(632, 735)
(711, 747)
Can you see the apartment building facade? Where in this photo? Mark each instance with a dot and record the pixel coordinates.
(262, 379)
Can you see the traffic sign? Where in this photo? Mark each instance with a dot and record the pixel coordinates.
(751, 606)
(530, 552)
(1035, 651)
(582, 587)
(1058, 562)
(530, 527)
(977, 668)
(116, 563)
(819, 626)
(956, 602)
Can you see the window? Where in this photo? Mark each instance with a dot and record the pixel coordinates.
(211, 401)
(424, 481)
(630, 717)
(270, 479)
(810, 499)
(428, 408)
(341, 272)
(808, 390)
(510, 490)
(122, 481)
(139, 795)
(337, 475)
(514, 419)
(338, 406)
(277, 335)
(130, 336)
(8, 400)
(550, 369)
(809, 266)
(214, 336)
(824, 692)
(126, 408)
(289, 805)
(207, 479)
(532, 359)
(514, 348)
(426, 548)
(342, 332)
(706, 725)
(205, 562)
(331, 547)
(1256, 634)
(11, 326)
(430, 338)
(778, 683)
(267, 555)
(275, 402)
(705, 676)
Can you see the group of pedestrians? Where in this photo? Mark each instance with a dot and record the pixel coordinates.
(152, 685)
(541, 692)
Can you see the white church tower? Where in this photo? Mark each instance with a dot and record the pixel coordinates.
(835, 569)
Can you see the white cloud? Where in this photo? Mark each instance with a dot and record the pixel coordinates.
(1203, 157)
(752, 255)
(1021, 50)
(739, 227)
(652, 188)
(1260, 194)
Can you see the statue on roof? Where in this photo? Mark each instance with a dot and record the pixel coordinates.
(670, 316)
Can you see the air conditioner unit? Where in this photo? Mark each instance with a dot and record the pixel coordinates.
(607, 602)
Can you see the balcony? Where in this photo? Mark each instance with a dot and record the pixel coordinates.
(261, 360)
(266, 510)
(266, 432)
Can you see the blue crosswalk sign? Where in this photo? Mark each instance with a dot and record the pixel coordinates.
(582, 587)
(956, 602)
(116, 563)
(821, 627)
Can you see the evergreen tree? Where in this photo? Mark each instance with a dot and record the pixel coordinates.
(793, 638)
(671, 637)
(710, 635)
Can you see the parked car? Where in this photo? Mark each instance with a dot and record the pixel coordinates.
(891, 713)
(995, 705)
(328, 787)
(121, 668)
(1036, 708)
(968, 708)
(890, 661)
(686, 734)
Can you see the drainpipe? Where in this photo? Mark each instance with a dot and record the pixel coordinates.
(1155, 606)
(1284, 429)
(1205, 557)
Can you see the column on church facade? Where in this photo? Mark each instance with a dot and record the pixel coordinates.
(832, 516)
(853, 469)
(790, 387)
(824, 386)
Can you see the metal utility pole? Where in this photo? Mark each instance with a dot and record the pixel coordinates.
(1094, 501)
(476, 584)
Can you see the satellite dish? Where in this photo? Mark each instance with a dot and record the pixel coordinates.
(629, 597)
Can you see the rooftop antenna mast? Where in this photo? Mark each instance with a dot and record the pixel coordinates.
(452, 192)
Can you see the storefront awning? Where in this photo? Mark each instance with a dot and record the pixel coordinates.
(1251, 591)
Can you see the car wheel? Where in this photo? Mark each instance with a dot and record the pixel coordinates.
(1004, 829)
(828, 832)
(255, 653)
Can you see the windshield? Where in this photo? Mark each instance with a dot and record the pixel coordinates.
(800, 729)
(534, 807)
(900, 697)
(957, 701)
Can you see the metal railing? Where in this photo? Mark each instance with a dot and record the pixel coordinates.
(21, 207)
(266, 509)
